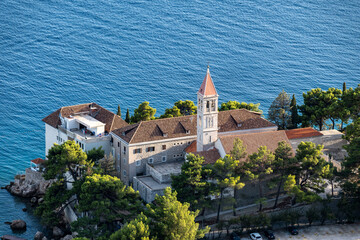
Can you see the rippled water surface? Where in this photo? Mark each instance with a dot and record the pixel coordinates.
(58, 53)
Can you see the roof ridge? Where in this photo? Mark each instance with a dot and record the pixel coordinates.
(132, 137)
(112, 123)
(244, 134)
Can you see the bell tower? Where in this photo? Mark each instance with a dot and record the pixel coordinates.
(207, 114)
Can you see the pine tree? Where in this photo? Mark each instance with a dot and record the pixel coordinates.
(171, 219)
(119, 111)
(127, 118)
(280, 111)
(224, 172)
(294, 113)
(107, 164)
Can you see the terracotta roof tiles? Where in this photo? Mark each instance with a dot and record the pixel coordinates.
(254, 140)
(302, 133)
(207, 87)
(111, 120)
(168, 128)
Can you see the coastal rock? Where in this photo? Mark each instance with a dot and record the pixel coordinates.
(33, 200)
(38, 236)
(18, 225)
(24, 209)
(40, 200)
(44, 238)
(29, 190)
(67, 237)
(57, 232)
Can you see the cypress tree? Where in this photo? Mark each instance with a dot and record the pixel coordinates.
(119, 111)
(127, 118)
(294, 112)
(344, 87)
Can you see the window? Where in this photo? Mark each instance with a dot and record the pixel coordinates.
(174, 156)
(150, 160)
(137, 150)
(163, 147)
(138, 163)
(163, 159)
(124, 150)
(118, 144)
(207, 105)
(213, 105)
(189, 143)
(150, 149)
(124, 173)
(119, 156)
(210, 139)
(187, 131)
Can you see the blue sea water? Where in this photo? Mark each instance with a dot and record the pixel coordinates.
(58, 53)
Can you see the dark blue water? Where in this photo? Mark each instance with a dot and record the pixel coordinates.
(57, 53)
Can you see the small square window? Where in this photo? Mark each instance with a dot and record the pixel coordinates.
(163, 147)
(150, 149)
(124, 173)
(163, 159)
(137, 150)
(138, 163)
(150, 160)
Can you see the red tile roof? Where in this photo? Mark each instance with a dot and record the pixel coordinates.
(210, 156)
(254, 140)
(207, 87)
(111, 120)
(168, 128)
(38, 160)
(302, 133)
(191, 148)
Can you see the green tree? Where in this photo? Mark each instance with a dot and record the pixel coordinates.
(137, 229)
(171, 219)
(351, 169)
(311, 173)
(280, 111)
(312, 215)
(238, 153)
(230, 105)
(192, 185)
(95, 154)
(334, 109)
(65, 157)
(118, 111)
(284, 164)
(344, 86)
(313, 110)
(143, 113)
(107, 200)
(352, 130)
(127, 118)
(294, 113)
(107, 165)
(171, 112)
(186, 107)
(55, 200)
(224, 172)
(351, 101)
(258, 165)
(313, 169)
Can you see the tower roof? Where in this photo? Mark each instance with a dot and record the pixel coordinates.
(207, 87)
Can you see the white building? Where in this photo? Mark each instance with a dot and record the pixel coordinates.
(88, 125)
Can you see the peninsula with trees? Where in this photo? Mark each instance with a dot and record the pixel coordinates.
(199, 170)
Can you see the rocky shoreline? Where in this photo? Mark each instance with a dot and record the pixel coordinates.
(33, 186)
